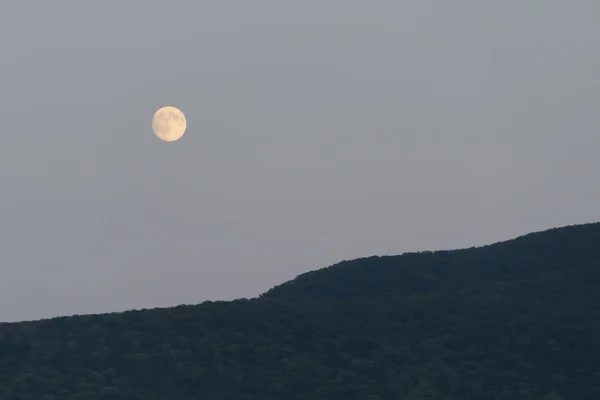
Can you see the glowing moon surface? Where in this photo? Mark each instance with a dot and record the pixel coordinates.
(169, 124)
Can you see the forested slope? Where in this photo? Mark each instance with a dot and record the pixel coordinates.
(426, 272)
(515, 320)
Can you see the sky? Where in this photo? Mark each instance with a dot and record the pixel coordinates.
(317, 131)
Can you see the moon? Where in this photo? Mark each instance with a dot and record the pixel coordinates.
(169, 124)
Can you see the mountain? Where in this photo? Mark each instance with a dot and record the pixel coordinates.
(408, 274)
(514, 320)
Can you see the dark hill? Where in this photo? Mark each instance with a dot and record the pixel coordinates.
(514, 320)
(527, 256)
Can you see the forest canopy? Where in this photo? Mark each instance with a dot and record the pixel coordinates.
(514, 320)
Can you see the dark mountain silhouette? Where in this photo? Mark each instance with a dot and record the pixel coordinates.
(446, 271)
(514, 320)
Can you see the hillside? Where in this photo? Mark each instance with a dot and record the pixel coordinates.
(514, 320)
(448, 271)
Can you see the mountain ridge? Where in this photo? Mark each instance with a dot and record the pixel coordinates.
(573, 242)
(433, 326)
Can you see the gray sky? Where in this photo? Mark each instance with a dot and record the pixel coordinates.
(318, 131)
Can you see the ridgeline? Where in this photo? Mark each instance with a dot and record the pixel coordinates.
(514, 320)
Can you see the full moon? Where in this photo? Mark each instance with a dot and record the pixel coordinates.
(169, 124)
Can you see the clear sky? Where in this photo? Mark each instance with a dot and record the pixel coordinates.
(318, 131)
